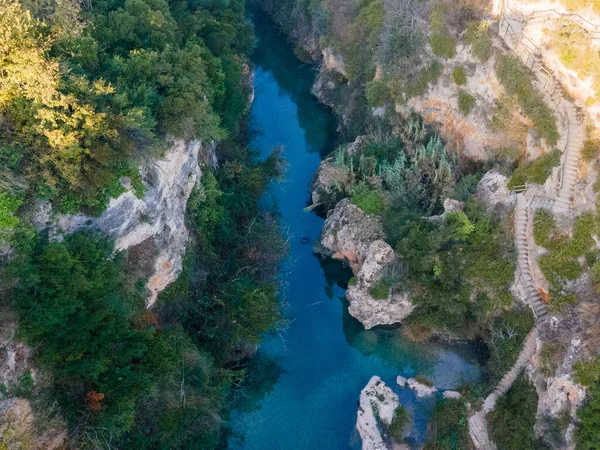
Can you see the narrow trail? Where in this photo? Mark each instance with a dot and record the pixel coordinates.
(572, 139)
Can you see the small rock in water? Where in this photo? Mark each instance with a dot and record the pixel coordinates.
(452, 394)
(421, 390)
(378, 404)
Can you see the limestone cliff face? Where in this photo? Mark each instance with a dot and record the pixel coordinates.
(157, 220)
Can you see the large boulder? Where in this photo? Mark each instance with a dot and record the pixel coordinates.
(377, 406)
(493, 192)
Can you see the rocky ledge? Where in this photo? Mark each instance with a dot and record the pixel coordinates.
(420, 388)
(355, 237)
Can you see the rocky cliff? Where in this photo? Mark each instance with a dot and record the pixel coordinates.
(154, 224)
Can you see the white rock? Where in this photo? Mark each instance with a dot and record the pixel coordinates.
(420, 389)
(452, 394)
(377, 403)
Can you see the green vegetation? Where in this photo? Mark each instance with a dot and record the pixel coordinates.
(442, 45)
(377, 93)
(465, 102)
(511, 423)
(537, 171)
(478, 37)
(561, 263)
(380, 290)
(518, 82)
(367, 199)
(591, 149)
(459, 75)
(83, 104)
(588, 416)
(448, 428)
(399, 422)
(419, 86)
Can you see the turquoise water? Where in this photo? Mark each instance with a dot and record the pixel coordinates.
(325, 355)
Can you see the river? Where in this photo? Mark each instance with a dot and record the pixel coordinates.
(326, 357)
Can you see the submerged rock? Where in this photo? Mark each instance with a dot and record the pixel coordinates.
(420, 389)
(377, 406)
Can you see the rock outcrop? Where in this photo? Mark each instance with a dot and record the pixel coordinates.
(355, 237)
(493, 192)
(157, 219)
(377, 406)
(381, 311)
(420, 389)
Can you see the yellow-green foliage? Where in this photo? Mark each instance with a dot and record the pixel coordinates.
(441, 42)
(576, 5)
(459, 75)
(591, 149)
(537, 171)
(577, 52)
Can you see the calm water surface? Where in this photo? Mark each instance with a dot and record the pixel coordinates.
(325, 355)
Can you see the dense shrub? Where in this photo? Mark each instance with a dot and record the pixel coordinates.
(442, 45)
(419, 86)
(477, 35)
(512, 421)
(465, 102)
(448, 427)
(591, 149)
(380, 290)
(537, 171)
(399, 422)
(518, 81)
(377, 93)
(368, 199)
(459, 75)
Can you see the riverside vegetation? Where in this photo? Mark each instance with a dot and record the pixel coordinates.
(87, 93)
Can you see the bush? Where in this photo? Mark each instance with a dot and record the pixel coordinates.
(448, 427)
(590, 150)
(477, 36)
(459, 75)
(9, 204)
(512, 421)
(377, 93)
(399, 422)
(429, 75)
(369, 200)
(537, 171)
(442, 45)
(380, 290)
(465, 102)
(518, 82)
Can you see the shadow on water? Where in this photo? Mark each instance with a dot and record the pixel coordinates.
(314, 370)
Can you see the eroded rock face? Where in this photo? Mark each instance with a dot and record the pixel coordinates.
(348, 233)
(492, 191)
(15, 357)
(159, 215)
(368, 310)
(331, 61)
(377, 405)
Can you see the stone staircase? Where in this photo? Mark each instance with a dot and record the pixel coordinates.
(527, 351)
(570, 172)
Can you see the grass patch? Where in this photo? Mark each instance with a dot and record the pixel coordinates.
(590, 150)
(537, 171)
(377, 92)
(380, 290)
(518, 82)
(465, 102)
(459, 75)
(427, 76)
(443, 45)
(511, 423)
(478, 37)
(448, 428)
(369, 200)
